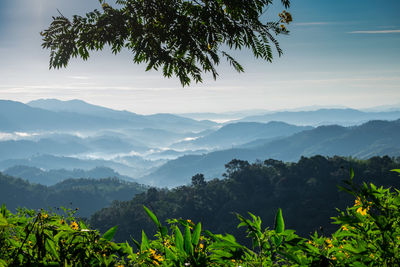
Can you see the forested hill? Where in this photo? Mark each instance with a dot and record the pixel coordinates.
(306, 191)
(88, 195)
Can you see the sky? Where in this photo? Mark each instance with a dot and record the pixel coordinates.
(338, 53)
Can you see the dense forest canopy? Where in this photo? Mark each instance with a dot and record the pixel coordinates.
(306, 191)
(86, 195)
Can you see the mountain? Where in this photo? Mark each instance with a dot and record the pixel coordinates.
(67, 145)
(51, 177)
(128, 167)
(27, 148)
(85, 195)
(25, 118)
(235, 134)
(129, 119)
(345, 117)
(370, 139)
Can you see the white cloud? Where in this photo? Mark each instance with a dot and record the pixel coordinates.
(376, 32)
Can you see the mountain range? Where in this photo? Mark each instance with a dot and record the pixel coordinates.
(323, 116)
(56, 115)
(370, 139)
(167, 149)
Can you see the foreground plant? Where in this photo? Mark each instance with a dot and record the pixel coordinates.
(368, 235)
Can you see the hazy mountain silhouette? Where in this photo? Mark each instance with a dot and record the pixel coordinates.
(49, 162)
(345, 117)
(128, 119)
(370, 139)
(51, 177)
(239, 133)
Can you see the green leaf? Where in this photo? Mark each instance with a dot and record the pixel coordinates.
(50, 247)
(279, 223)
(178, 239)
(145, 242)
(164, 231)
(152, 216)
(395, 170)
(135, 242)
(169, 254)
(110, 233)
(279, 228)
(188, 241)
(351, 174)
(196, 234)
(3, 221)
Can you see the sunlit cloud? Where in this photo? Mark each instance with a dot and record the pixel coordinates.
(376, 32)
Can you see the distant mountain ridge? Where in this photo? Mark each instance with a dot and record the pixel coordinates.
(345, 117)
(234, 134)
(49, 162)
(144, 121)
(51, 177)
(64, 116)
(373, 138)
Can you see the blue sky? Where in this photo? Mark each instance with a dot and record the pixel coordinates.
(339, 53)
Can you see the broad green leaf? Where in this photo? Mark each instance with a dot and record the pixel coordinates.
(279, 223)
(178, 239)
(145, 242)
(196, 234)
(164, 231)
(188, 241)
(279, 227)
(152, 216)
(169, 254)
(110, 233)
(50, 247)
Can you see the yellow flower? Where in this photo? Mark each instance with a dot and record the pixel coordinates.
(74, 226)
(362, 211)
(357, 202)
(44, 215)
(201, 246)
(62, 221)
(372, 256)
(329, 243)
(344, 228)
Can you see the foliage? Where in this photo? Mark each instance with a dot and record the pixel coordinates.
(88, 195)
(183, 37)
(368, 235)
(304, 189)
